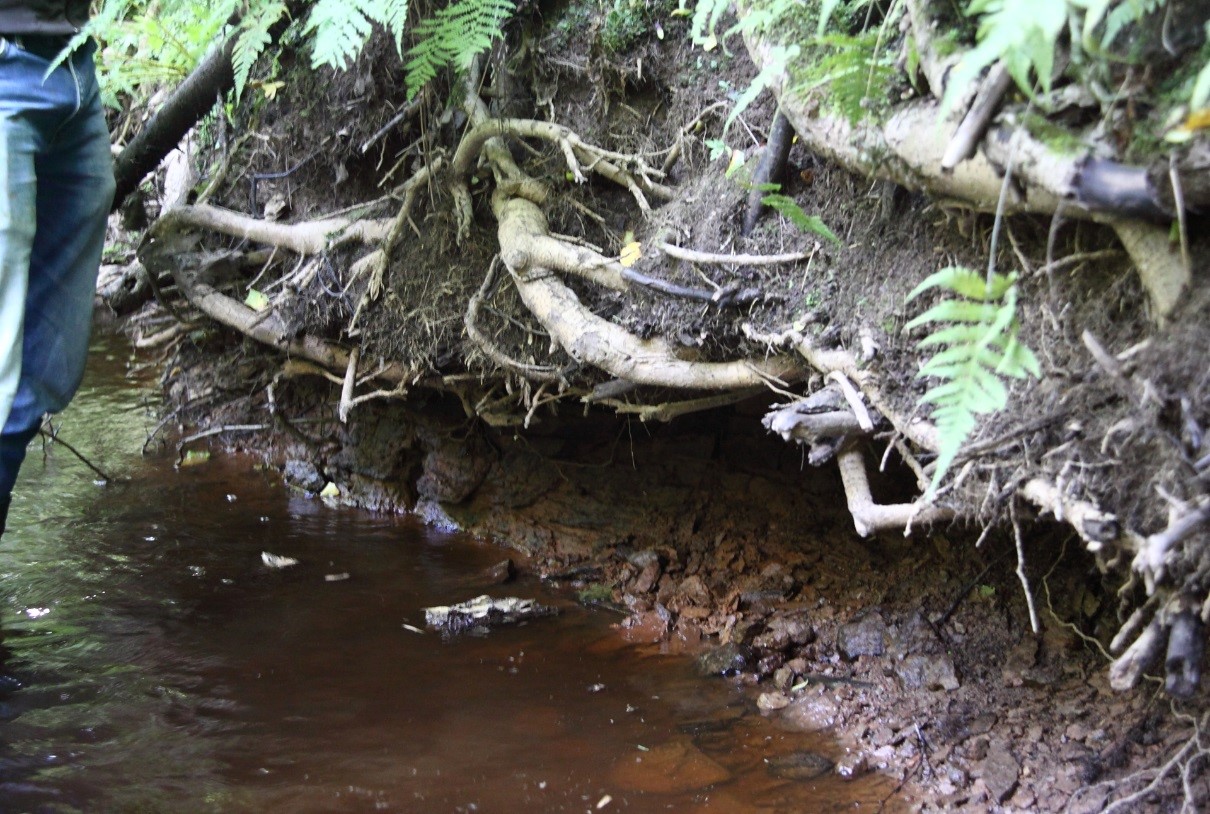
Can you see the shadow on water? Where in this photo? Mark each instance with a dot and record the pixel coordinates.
(165, 669)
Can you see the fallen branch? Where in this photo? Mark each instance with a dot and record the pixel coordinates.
(693, 256)
(974, 126)
(675, 409)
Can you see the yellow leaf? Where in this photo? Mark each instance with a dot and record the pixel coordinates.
(270, 89)
(737, 161)
(631, 253)
(256, 300)
(1198, 119)
(1195, 121)
(331, 490)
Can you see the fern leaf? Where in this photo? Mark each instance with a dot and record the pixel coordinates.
(1019, 360)
(340, 28)
(978, 329)
(966, 282)
(453, 37)
(955, 311)
(706, 15)
(1021, 33)
(956, 335)
(826, 8)
(253, 37)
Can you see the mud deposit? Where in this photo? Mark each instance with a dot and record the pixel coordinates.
(167, 669)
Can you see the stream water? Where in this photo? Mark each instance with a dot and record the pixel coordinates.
(164, 668)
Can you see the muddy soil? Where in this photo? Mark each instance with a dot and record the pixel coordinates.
(707, 535)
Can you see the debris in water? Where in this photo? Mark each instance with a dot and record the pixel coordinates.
(276, 560)
(484, 612)
(341, 577)
(412, 628)
(604, 801)
(194, 457)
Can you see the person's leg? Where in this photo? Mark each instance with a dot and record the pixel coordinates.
(18, 145)
(74, 171)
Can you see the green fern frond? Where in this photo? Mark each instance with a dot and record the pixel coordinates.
(453, 37)
(776, 60)
(341, 27)
(253, 39)
(978, 329)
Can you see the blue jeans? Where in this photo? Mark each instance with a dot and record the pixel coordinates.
(56, 187)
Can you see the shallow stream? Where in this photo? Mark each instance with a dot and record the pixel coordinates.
(166, 669)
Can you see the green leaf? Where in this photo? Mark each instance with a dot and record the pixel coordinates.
(955, 311)
(966, 282)
(452, 37)
(786, 205)
(256, 300)
(957, 334)
(1021, 33)
(252, 40)
(826, 8)
(775, 63)
(978, 336)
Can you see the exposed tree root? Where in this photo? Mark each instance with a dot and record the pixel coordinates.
(917, 149)
(870, 517)
(311, 237)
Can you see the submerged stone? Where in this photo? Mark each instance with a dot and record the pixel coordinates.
(484, 612)
(670, 768)
(799, 766)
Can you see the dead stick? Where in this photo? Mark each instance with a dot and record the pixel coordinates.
(769, 169)
(974, 125)
(733, 259)
(56, 439)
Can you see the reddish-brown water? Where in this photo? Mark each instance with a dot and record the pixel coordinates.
(166, 669)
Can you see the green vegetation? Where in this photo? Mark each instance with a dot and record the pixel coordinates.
(143, 46)
(979, 327)
(454, 36)
(595, 594)
(625, 23)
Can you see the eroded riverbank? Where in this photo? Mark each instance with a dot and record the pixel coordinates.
(166, 669)
(711, 538)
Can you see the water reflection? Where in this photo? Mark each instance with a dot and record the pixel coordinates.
(167, 670)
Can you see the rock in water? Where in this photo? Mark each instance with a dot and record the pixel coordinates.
(799, 766)
(725, 660)
(484, 612)
(674, 767)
